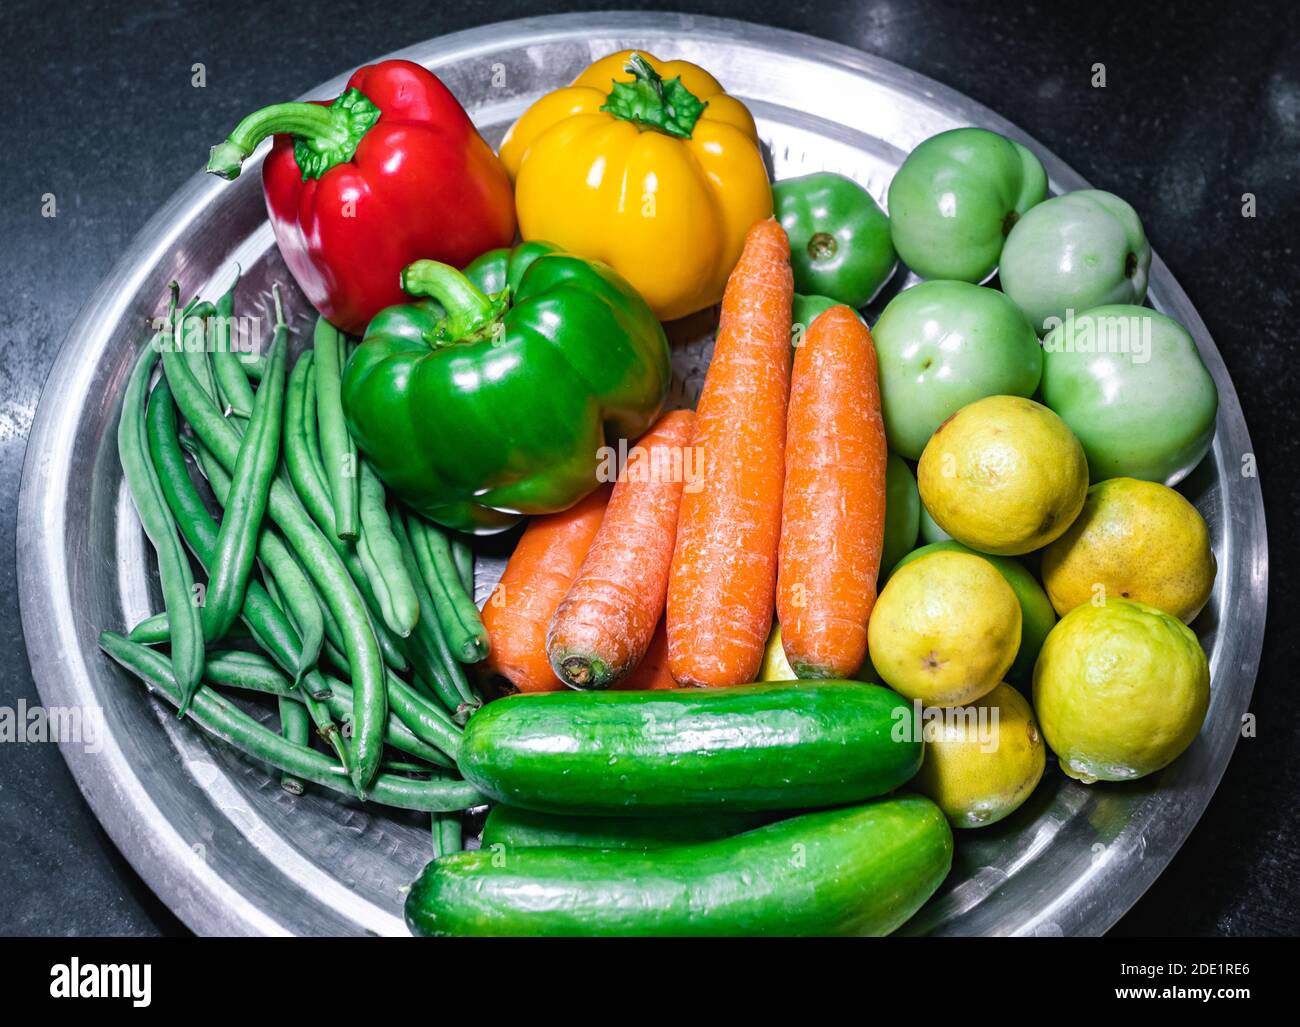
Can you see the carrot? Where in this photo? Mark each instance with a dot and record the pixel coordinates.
(651, 674)
(833, 515)
(539, 572)
(723, 575)
(603, 626)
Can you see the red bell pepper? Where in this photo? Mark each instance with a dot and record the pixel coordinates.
(390, 172)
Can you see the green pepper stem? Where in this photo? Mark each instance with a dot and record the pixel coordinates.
(470, 312)
(308, 121)
(325, 135)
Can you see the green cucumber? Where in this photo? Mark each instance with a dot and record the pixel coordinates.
(511, 827)
(858, 870)
(777, 746)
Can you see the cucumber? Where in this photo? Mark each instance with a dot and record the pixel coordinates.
(509, 827)
(858, 870)
(778, 746)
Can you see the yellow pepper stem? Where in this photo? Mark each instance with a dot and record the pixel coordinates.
(651, 103)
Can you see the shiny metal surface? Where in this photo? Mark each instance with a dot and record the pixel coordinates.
(217, 838)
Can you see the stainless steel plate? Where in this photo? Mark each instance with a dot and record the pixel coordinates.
(217, 838)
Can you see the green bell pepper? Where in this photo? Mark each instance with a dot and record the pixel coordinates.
(1131, 385)
(1073, 253)
(840, 244)
(489, 396)
(955, 199)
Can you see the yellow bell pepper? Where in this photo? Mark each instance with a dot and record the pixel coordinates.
(648, 166)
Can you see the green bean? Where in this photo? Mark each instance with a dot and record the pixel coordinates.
(425, 720)
(232, 378)
(463, 556)
(339, 449)
(267, 622)
(270, 627)
(428, 650)
(223, 719)
(251, 478)
(318, 557)
(295, 726)
(197, 308)
(441, 646)
(381, 557)
(195, 354)
(447, 835)
(251, 672)
(297, 596)
(314, 495)
(303, 604)
(458, 617)
(236, 668)
(310, 428)
(400, 736)
(311, 680)
(153, 630)
(422, 687)
(418, 712)
(393, 766)
(174, 570)
(193, 328)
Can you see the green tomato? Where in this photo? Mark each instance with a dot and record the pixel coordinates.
(1037, 617)
(956, 197)
(942, 345)
(1131, 385)
(806, 310)
(930, 530)
(1073, 253)
(902, 513)
(840, 244)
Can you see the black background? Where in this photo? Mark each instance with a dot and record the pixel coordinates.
(1202, 104)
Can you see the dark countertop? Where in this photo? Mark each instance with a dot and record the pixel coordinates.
(1199, 108)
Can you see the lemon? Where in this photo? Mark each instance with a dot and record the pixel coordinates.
(775, 667)
(1037, 617)
(1133, 540)
(1120, 689)
(1004, 475)
(945, 629)
(982, 761)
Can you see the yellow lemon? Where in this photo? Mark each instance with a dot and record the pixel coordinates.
(1120, 689)
(981, 761)
(1133, 540)
(1004, 475)
(945, 629)
(775, 667)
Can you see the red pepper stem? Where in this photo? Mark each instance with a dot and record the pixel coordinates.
(322, 128)
(470, 312)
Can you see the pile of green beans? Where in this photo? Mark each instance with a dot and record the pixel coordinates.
(219, 716)
(363, 613)
(174, 571)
